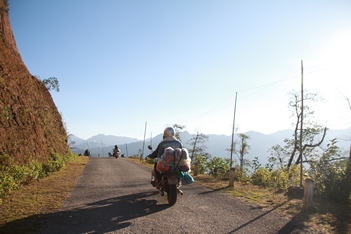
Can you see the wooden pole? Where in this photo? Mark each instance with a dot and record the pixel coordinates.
(308, 194)
(127, 150)
(102, 147)
(301, 125)
(151, 139)
(231, 176)
(233, 130)
(232, 171)
(195, 169)
(142, 154)
(192, 154)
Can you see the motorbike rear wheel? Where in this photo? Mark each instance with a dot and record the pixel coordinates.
(172, 194)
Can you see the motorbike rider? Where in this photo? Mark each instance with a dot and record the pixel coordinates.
(116, 150)
(169, 140)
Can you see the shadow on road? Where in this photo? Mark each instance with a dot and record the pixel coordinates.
(257, 218)
(99, 217)
(215, 190)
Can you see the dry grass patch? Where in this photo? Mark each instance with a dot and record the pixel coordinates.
(40, 197)
(327, 217)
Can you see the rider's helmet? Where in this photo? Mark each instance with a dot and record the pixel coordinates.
(169, 131)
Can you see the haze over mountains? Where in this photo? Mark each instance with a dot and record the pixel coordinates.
(216, 144)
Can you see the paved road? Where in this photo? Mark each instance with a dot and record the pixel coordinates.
(115, 196)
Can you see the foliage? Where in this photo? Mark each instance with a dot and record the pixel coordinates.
(218, 167)
(201, 161)
(198, 145)
(178, 128)
(311, 130)
(150, 161)
(243, 149)
(278, 157)
(52, 83)
(329, 174)
(134, 156)
(6, 4)
(13, 176)
(279, 179)
(242, 175)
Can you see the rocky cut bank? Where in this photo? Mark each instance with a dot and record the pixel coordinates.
(31, 127)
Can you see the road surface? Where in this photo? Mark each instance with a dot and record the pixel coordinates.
(115, 196)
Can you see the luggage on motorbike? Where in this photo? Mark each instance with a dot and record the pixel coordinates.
(186, 178)
(183, 159)
(166, 161)
(170, 158)
(161, 166)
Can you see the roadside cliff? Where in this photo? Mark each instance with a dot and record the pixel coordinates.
(31, 127)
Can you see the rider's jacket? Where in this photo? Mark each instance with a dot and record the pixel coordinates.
(166, 142)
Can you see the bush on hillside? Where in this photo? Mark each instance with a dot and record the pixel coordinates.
(218, 168)
(13, 176)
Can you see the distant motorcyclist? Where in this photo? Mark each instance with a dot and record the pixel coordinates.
(116, 151)
(87, 152)
(169, 140)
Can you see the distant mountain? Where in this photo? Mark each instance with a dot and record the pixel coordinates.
(99, 141)
(216, 144)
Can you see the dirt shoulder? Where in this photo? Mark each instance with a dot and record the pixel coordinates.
(38, 198)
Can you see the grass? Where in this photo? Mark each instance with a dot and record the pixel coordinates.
(327, 217)
(32, 201)
(22, 210)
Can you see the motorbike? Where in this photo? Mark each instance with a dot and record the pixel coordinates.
(170, 181)
(115, 154)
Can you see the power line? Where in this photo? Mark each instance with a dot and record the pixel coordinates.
(215, 108)
(293, 75)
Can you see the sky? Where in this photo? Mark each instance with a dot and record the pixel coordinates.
(133, 67)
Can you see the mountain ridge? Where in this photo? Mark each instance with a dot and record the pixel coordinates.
(216, 145)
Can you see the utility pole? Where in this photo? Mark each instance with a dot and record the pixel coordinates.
(192, 154)
(301, 125)
(232, 144)
(151, 140)
(232, 170)
(142, 154)
(102, 147)
(127, 150)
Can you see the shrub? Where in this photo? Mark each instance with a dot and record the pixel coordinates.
(330, 180)
(275, 178)
(134, 156)
(12, 176)
(218, 168)
(201, 164)
(241, 175)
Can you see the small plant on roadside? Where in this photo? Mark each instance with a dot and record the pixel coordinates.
(150, 160)
(13, 176)
(201, 162)
(329, 174)
(134, 157)
(219, 168)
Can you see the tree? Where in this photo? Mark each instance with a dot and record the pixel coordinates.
(51, 83)
(71, 143)
(197, 143)
(278, 156)
(177, 129)
(310, 133)
(243, 149)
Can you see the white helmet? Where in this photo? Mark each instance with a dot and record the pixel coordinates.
(169, 131)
